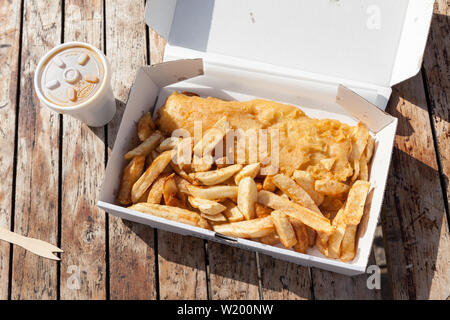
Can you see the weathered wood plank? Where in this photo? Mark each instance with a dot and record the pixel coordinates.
(330, 285)
(284, 280)
(131, 245)
(83, 158)
(36, 199)
(436, 66)
(232, 273)
(281, 280)
(415, 225)
(181, 259)
(182, 270)
(10, 16)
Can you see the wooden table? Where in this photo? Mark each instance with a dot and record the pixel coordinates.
(52, 167)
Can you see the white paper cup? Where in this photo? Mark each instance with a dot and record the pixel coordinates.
(61, 75)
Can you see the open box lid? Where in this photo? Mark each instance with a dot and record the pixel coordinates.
(375, 42)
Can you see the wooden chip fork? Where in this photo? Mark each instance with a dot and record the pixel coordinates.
(36, 246)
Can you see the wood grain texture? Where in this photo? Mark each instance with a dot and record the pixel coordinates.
(282, 280)
(36, 198)
(329, 285)
(182, 270)
(131, 245)
(83, 158)
(415, 225)
(232, 273)
(436, 67)
(181, 275)
(10, 15)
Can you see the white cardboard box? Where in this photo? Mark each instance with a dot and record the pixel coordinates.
(296, 52)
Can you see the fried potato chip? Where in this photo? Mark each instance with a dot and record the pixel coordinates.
(212, 137)
(216, 223)
(283, 195)
(183, 197)
(203, 223)
(331, 204)
(156, 190)
(294, 191)
(262, 211)
(271, 239)
(158, 165)
(168, 169)
(145, 126)
(308, 217)
(368, 152)
(306, 181)
(323, 239)
(183, 154)
(259, 185)
(363, 169)
(130, 174)
(301, 235)
(146, 146)
(181, 172)
(232, 211)
(247, 195)
(328, 163)
(322, 246)
(144, 197)
(215, 218)
(210, 193)
(213, 177)
(221, 162)
(170, 191)
(330, 187)
(334, 242)
(171, 213)
(348, 244)
(227, 202)
(360, 135)
(283, 228)
(201, 164)
(355, 170)
(268, 184)
(208, 207)
(255, 228)
(251, 170)
(354, 207)
(169, 144)
(312, 235)
(182, 184)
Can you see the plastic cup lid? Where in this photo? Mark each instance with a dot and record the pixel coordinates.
(70, 75)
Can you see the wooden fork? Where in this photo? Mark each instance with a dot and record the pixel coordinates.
(36, 246)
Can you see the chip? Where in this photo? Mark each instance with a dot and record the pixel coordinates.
(283, 228)
(330, 187)
(255, 228)
(131, 173)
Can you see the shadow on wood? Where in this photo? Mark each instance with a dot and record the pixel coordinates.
(414, 220)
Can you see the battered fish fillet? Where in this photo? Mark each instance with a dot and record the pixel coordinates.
(321, 147)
